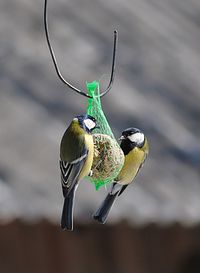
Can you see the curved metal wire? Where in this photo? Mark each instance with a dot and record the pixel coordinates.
(58, 70)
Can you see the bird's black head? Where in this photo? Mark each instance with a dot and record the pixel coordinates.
(131, 138)
(87, 122)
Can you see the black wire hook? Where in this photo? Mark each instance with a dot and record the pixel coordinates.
(58, 70)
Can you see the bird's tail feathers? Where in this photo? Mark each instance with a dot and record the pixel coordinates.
(68, 208)
(101, 214)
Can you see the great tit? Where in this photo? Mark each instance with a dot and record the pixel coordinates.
(135, 147)
(76, 157)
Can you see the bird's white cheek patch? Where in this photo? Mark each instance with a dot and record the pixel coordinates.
(90, 124)
(137, 138)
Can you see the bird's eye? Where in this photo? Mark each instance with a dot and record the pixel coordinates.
(90, 124)
(137, 138)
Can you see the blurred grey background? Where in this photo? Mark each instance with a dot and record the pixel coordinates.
(154, 227)
(156, 88)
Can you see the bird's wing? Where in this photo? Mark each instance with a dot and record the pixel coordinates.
(123, 187)
(70, 172)
(141, 165)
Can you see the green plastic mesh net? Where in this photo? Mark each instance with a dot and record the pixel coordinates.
(108, 156)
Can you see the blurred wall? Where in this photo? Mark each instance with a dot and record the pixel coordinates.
(44, 248)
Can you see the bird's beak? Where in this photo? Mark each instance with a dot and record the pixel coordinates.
(121, 138)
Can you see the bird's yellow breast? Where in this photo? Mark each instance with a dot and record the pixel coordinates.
(133, 161)
(88, 164)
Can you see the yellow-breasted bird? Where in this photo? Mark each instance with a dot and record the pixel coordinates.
(135, 147)
(76, 157)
